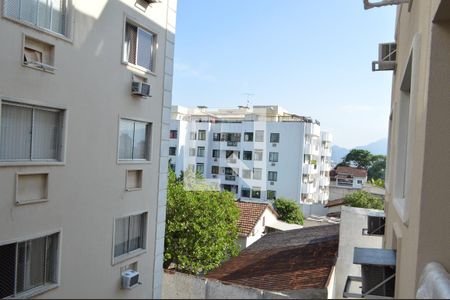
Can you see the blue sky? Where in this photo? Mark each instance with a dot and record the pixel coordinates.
(311, 57)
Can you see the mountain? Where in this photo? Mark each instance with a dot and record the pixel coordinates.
(378, 148)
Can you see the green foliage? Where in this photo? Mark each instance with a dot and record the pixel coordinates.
(377, 182)
(364, 199)
(374, 164)
(377, 167)
(288, 210)
(201, 228)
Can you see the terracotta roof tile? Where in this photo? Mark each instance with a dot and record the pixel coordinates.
(250, 213)
(352, 171)
(283, 261)
(335, 202)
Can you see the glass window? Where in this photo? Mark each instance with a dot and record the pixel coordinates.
(247, 155)
(134, 140)
(202, 135)
(257, 173)
(200, 168)
(259, 135)
(256, 192)
(138, 46)
(247, 174)
(47, 14)
(216, 137)
(172, 151)
(30, 133)
(245, 192)
(248, 136)
(271, 195)
(274, 137)
(173, 134)
(258, 155)
(129, 234)
(191, 151)
(216, 153)
(29, 264)
(273, 156)
(272, 176)
(193, 136)
(214, 170)
(200, 151)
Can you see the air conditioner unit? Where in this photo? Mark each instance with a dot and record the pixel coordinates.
(215, 159)
(273, 164)
(130, 279)
(214, 176)
(140, 88)
(387, 57)
(274, 145)
(272, 183)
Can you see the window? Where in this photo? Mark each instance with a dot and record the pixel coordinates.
(134, 140)
(214, 170)
(258, 155)
(272, 176)
(257, 173)
(50, 14)
(248, 136)
(259, 135)
(200, 168)
(216, 153)
(216, 137)
(247, 174)
(271, 195)
(191, 151)
(247, 155)
(359, 181)
(256, 192)
(273, 156)
(173, 134)
(200, 151)
(38, 54)
(129, 234)
(30, 133)
(274, 137)
(193, 136)
(133, 180)
(202, 135)
(139, 46)
(28, 265)
(245, 192)
(172, 151)
(173, 167)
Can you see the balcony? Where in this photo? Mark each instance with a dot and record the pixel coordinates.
(326, 152)
(326, 137)
(375, 224)
(326, 167)
(310, 149)
(324, 196)
(308, 188)
(232, 144)
(310, 169)
(312, 129)
(231, 160)
(230, 177)
(324, 181)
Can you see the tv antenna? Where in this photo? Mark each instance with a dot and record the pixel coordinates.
(248, 98)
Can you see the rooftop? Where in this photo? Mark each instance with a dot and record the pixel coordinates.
(250, 213)
(285, 260)
(357, 172)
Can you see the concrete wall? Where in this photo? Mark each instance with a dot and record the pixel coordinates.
(86, 191)
(182, 286)
(353, 220)
(417, 221)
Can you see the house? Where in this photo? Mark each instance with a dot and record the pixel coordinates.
(257, 219)
(297, 262)
(83, 155)
(259, 153)
(348, 177)
(334, 207)
(414, 260)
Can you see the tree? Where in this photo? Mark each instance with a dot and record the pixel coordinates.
(377, 167)
(201, 228)
(288, 210)
(359, 158)
(364, 199)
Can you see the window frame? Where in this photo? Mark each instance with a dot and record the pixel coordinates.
(275, 134)
(274, 176)
(256, 137)
(203, 167)
(201, 134)
(215, 151)
(271, 154)
(176, 134)
(256, 190)
(248, 190)
(247, 152)
(46, 287)
(248, 137)
(260, 170)
(201, 150)
(133, 253)
(259, 152)
(132, 21)
(175, 151)
(63, 132)
(270, 192)
(149, 145)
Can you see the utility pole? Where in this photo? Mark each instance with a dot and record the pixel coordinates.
(248, 98)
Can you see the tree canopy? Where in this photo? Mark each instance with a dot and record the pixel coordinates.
(288, 210)
(201, 228)
(363, 199)
(374, 164)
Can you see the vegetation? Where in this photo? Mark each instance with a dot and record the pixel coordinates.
(201, 227)
(363, 199)
(377, 182)
(374, 164)
(288, 210)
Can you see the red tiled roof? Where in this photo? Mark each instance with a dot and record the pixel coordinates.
(285, 260)
(352, 171)
(250, 213)
(336, 202)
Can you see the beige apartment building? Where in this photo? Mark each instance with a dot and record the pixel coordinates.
(85, 91)
(417, 207)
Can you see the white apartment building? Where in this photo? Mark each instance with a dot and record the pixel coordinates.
(259, 153)
(83, 152)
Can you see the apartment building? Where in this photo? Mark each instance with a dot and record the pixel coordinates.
(85, 99)
(416, 244)
(259, 153)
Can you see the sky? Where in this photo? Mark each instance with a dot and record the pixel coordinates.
(313, 58)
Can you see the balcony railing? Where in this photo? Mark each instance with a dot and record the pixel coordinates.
(230, 177)
(232, 144)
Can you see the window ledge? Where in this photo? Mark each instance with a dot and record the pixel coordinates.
(31, 163)
(133, 162)
(138, 69)
(127, 256)
(133, 189)
(46, 70)
(400, 207)
(26, 202)
(35, 292)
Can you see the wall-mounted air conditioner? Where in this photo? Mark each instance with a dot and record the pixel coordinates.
(272, 183)
(215, 159)
(214, 176)
(387, 57)
(140, 89)
(274, 144)
(130, 279)
(273, 164)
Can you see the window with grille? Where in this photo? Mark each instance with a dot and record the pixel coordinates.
(28, 265)
(191, 151)
(48, 14)
(256, 192)
(245, 192)
(173, 134)
(274, 137)
(273, 156)
(172, 151)
(247, 155)
(139, 46)
(257, 173)
(258, 155)
(200, 168)
(259, 135)
(272, 176)
(214, 170)
(201, 151)
(216, 137)
(247, 174)
(30, 133)
(134, 140)
(216, 153)
(193, 136)
(202, 135)
(248, 136)
(271, 195)
(129, 234)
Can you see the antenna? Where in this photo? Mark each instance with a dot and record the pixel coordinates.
(248, 98)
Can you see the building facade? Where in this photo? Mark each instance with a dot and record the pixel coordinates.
(83, 156)
(258, 153)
